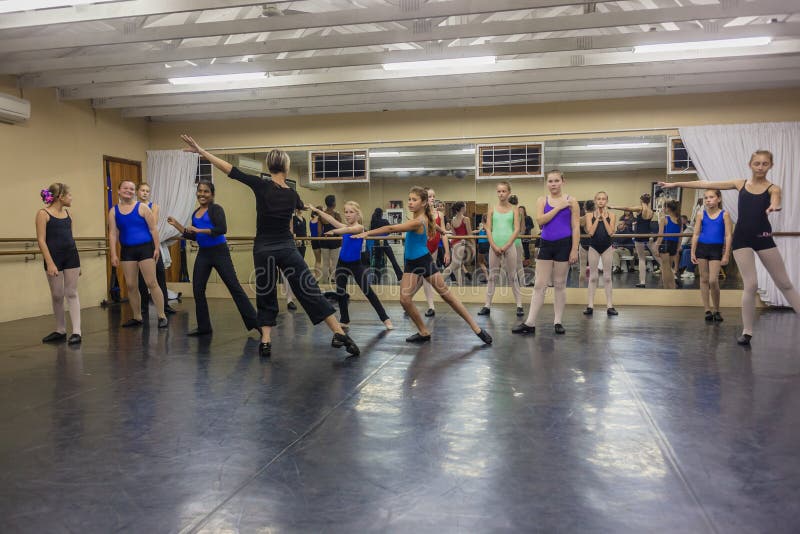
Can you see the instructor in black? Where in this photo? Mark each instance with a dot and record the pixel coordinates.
(274, 247)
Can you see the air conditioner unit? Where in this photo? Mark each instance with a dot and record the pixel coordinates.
(249, 164)
(14, 110)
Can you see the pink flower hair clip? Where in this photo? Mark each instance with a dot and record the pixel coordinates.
(47, 196)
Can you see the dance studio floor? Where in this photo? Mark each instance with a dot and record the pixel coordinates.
(652, 421)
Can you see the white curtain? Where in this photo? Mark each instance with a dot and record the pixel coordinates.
(171, 175)
(722, 153)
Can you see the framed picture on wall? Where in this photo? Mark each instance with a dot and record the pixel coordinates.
(394, 216)
(659, 196)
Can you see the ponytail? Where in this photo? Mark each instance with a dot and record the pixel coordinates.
(423, 196)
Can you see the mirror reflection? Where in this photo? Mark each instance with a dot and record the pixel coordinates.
(626, 169)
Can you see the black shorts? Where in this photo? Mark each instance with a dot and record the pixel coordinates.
(65, 259)
(316, 245)
(422, 266)
(555, 250)
(483, 248)
(755, 242)
(708, 251)
(669, 247)
(137, 253)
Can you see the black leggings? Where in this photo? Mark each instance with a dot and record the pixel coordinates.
(386, 249)
(343, 271)
(161, 278)
(303, 284)
(219, 257)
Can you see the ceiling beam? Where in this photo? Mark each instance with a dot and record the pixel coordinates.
(559, 96)
(568, 74)
(699, 76)
(543, 62)
(370, 15)
(316, 42)
(157, 71)
(115, 10)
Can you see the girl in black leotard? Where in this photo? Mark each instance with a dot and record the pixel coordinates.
(753, 235)
(600, 225)
(274, 246)
(643, 220)
(61, 261)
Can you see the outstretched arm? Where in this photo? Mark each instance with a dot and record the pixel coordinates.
(333, 221)
(703, 184)
(632, 209)
(219, 163)
(344, 229)
(409, 226)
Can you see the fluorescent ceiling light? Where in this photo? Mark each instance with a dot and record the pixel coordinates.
(441, 64)
(218, 78)
(702, 45)
(423, 153)
(9, 6)
(418, 169)
(613, 146)
(607, 163)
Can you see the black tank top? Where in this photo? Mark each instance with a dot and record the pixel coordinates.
(753, 220)
(58, 233)
(600, 240)
(643, 225)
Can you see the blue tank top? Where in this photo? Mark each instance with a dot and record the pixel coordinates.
(712, 231)
(560, 226)
(482, 232)
(204, 223)
(314, 227)
(351, 248)
(671, 228)
(416, 244)
(133, 229)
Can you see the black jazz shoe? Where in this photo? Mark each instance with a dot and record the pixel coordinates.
(430, 313)
(265, 349)
(54, 337)
(485, 337)
(588, 311)
(611, 311)
(520, 312)
(163, 322)
(131, 323)
(718, 318)
(418, 338)
(291, 306)
(484, 311)
(343, 340)
(559, 328)
(522, 328)
(74, 339)
(744, 339)
(709, 317)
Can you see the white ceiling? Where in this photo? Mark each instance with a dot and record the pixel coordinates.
(325, 56)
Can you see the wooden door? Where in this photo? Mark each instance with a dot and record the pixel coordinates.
(116, 171)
